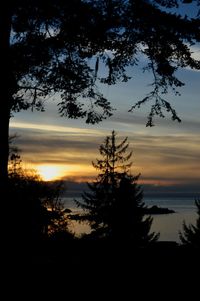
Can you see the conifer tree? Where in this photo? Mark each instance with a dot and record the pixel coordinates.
(114, 206)
(191, 233)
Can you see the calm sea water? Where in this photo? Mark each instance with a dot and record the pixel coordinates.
(168, 225)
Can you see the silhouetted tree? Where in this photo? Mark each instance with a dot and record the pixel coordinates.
(58, 46)
(191, 233)
(58, 216)
(114, 207)
(129, 222)
(38, 210)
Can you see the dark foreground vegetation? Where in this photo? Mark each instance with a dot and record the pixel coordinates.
(91, 261)
(105, 269)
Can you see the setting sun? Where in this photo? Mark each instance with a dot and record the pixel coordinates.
(56, 172)
(50, 172)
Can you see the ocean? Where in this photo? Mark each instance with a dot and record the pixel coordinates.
(168, 225)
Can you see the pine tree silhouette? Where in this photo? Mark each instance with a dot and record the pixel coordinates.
(114, 206)
(191, 233)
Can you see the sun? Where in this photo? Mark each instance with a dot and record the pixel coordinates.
(50, 172)
(53, 172)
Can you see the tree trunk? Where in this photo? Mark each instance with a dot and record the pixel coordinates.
(5, 94)
(11, 228)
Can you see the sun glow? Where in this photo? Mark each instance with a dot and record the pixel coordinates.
(50, 172)
(55, 172)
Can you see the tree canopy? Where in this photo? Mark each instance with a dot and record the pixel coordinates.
(59, 47)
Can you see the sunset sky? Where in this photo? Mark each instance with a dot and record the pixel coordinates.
(167, 154)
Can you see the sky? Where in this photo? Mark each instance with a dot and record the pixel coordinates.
(167, 155)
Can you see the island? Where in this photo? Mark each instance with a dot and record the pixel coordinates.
(157, 210)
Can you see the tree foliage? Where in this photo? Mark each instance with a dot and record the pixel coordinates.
(191, 233)
(59, 46)
(113, 206)
(38, 210)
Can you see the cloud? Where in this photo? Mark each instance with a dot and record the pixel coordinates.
(179, 190)
(137, 122)
(54, 128)
(75, 189)
(161, 159)
(195, 49)
(195, 54)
